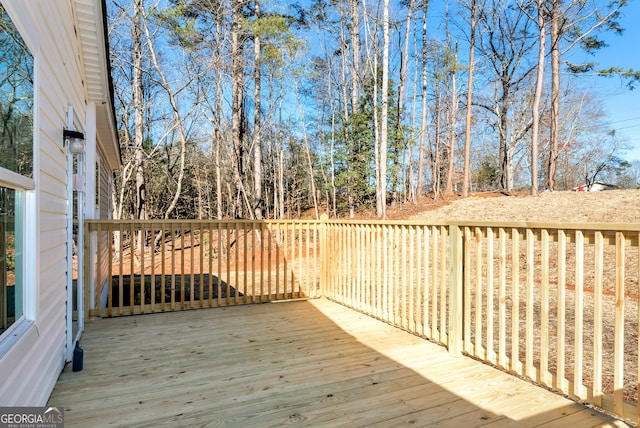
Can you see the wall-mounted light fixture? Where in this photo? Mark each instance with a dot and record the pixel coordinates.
(74, 140)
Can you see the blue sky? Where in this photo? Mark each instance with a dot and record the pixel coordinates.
(622, 104)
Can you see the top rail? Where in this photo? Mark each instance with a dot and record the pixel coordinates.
(623, 227)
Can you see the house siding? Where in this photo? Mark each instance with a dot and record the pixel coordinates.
(99, 282)
(104, 203)
(31, 366)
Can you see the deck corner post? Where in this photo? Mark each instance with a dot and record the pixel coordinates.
(456, 313)
(87, 288)
(323, 254)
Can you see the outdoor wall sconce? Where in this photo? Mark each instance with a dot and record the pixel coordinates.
(74, 140)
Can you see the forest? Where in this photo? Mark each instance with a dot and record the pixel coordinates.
(262, 109)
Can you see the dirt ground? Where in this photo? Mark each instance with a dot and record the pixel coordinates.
(614, 206)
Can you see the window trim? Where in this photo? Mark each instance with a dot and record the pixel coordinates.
(25, 327)
(16, 181)
(16, 330)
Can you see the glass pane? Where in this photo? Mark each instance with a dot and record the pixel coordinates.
(16, 100)
(11, 259)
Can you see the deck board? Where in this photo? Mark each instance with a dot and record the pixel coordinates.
(312, 363)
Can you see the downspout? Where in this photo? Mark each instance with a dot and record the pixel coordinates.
(74, 182)
(69, 314)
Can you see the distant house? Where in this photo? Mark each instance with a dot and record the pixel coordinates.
(596, 186)
(58, 151)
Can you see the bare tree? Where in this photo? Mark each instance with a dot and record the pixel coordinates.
(535, 107)
(354, 32)
(218, 138)
(237, 105)
(138, 106)
(453, 119)
(404, 68)
(436, 147)
(230, 161)
(552, 165)
(177, 117)
(578, 21)
(381, 200)
(506, 44)
(423, 98)
(257, 125)
(467, 130)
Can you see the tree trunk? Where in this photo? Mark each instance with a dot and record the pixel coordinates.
(555, 97)
(257, 127)
(376, 132)
(452, 123)
(384, 113)
(218, 143)
(535, 126)
(505, 160)
(138, 106)
(467, 130)
(404, 65)
(435, 152)
(355, 50)
(347, 134)
(355, 88)
(423, 95)
(281, 183)
(237, 92)
(333, 207)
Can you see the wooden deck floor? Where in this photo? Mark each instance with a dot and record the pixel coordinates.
(308, 363)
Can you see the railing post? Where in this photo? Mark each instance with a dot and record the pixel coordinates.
(86, 271)
(323, 254)
(456, 310)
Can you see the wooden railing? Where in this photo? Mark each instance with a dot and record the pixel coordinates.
(558, 305)
(554, 303)
(156, 266)
(398, 273)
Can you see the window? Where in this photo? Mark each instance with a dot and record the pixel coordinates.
(16, 166)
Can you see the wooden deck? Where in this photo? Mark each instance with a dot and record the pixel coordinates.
(309, 363)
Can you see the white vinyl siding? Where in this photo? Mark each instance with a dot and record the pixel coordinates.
(104, 204)
(29, 369)
(104, 213)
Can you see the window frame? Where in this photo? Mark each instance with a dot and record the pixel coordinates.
(27, 200)
(26, 187)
